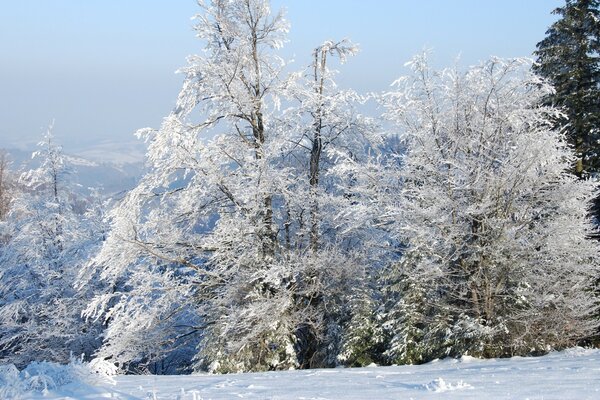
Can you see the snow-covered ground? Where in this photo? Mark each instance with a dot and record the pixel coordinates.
(571, 374)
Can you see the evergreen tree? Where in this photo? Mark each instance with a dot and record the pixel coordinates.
(569, 59)
(363, 334)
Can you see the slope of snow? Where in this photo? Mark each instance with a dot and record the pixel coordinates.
(571, 374)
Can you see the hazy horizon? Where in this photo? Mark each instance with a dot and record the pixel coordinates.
(102, 70)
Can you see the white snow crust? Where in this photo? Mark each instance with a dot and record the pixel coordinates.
(570, 374)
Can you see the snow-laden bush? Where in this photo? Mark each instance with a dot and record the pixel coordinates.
(46, 376)
(11, 385)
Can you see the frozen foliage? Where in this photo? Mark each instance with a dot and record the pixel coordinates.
(363, 337)
(196, 239)
(223, 244)
(44, 377)
(277, 228)
(46, 241)
(329, 138)
(497, 258)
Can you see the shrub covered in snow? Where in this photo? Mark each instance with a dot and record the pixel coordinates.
(45, 376)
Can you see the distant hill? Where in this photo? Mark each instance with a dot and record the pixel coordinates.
(101, 168)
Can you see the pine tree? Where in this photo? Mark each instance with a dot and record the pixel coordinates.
(405, 322)
(363, 334)
(569, 57)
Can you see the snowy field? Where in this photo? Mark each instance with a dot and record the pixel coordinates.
(571, 374)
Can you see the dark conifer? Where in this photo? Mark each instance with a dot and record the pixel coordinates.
(569, 58)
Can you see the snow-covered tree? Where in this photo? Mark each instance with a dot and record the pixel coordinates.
(328, 133)
(497, 258)
(6, 185)
(569, 57)
(46, 243)
(193, 248)
(363, 336)
(230, 238)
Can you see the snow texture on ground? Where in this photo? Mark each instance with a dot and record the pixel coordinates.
(571, 374)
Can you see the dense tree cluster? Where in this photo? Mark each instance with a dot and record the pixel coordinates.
(277, 227)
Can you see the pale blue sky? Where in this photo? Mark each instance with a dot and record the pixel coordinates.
(104, 68)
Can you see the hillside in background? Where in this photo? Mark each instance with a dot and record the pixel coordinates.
(109, 167)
